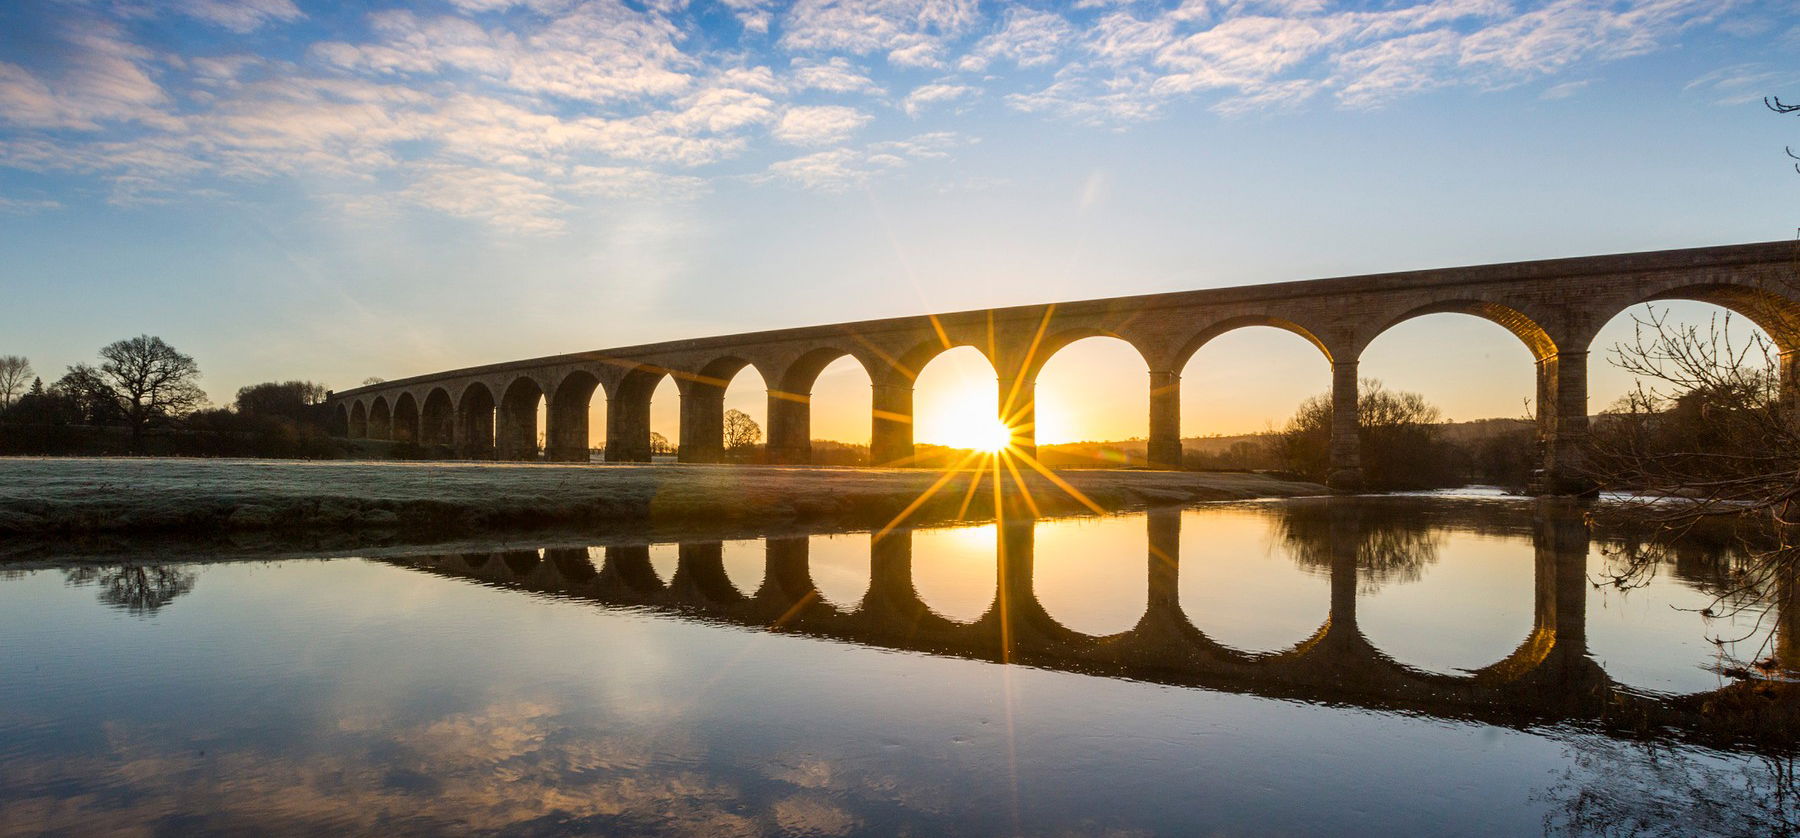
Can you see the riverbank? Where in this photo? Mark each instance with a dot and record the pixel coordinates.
(74, 496)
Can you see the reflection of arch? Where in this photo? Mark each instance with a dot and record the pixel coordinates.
(381, 419)
(359, 421)
(437, 419)
(475, 422)
(520, 562)
(406, 418)
(629, 565)
(567, 425)
(515, 436)
(628, 415)
(1512, 320)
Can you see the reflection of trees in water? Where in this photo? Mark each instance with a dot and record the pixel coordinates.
(1390, 545)
(1638, 788)
(141, 590)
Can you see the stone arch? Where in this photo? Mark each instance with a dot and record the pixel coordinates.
(960, 435)
(570, 407)
(340, 420)
(437, 419)
(381, 419)
(1202, 337)
(791, 402)
(703, 408)
(475, 422)
(406, 418)
(628, 414)
(359, 421)
(515, 436)
(1025, 392)
(1522, 326)
(1776, 314)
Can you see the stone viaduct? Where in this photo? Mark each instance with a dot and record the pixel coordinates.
(1554, 307)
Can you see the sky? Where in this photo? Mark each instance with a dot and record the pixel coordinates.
(295, 189)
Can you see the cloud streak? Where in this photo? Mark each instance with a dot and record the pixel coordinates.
(516, 113)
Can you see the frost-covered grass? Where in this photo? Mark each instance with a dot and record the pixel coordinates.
(73, 495)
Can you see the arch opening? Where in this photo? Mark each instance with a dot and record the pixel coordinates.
(1092, 405)
(744, 418)
(437, 422)
(821, 412)
(575, 422)
(1089, 574)
(340, 421)
(1239, 388)
(643, 417)
(516, 432)
(1452, 398)
(956, 409)
(381, 419)
(359, 421)
(1449, 601)
(955, 571)
(475, 422)
(841, 568)
(406, 419)
(1240, 584)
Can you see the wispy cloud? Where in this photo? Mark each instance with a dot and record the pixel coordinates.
(516, 112)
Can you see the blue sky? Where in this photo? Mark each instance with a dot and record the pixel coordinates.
(286, 188)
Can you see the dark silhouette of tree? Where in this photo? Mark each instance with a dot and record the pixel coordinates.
(1391, 543)
(151, 382)
(1400, 449)
(1775, 104)
(14, 372)
(86, 397)
(141, 590)
(741, 431)
(294, 400)
(659, 444)
(373, 379)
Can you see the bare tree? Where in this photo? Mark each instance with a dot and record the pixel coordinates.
(141, 590)
(1703, 446)
(741, 431)
(151, 381)
(1775, 104)
(373, 380)
(15, 372)
(659, 444)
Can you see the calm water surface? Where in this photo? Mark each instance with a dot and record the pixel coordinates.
(1361, 667)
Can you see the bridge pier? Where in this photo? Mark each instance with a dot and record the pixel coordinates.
(1790, 388)
(1563, 423)
(628, 428)
(1164, 447)
(1346, 473)
(891, 431)
(516, 434)
(566, 426)
(702, 424)
(1018, 409)
(790, 428)
(475, 425)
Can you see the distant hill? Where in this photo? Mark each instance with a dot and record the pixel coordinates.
(1132, 452)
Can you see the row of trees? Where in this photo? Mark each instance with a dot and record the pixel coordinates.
(143, 396)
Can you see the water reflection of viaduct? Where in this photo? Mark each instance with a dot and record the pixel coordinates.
(1554, 307)
(1548, 677)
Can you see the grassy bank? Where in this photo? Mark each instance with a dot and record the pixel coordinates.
(50, 496)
